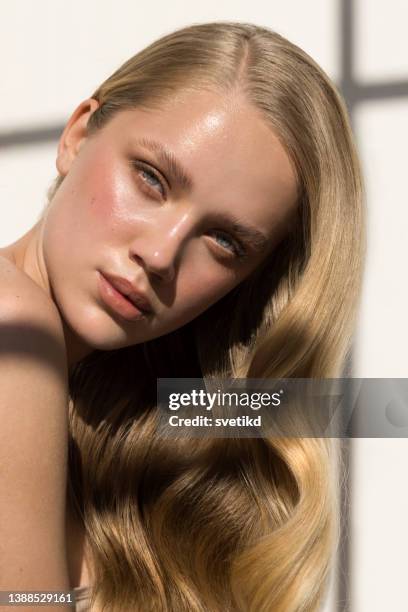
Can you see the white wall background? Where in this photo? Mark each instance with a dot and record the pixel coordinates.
(379, 491)
(55, 53)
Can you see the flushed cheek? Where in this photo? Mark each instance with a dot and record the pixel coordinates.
(105, 195)
(117, 212)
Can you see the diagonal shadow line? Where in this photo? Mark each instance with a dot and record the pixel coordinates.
(32, 342)
(357, 93)
(34, 136)
(370, 91)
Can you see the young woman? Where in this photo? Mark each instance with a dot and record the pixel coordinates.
(213, 180)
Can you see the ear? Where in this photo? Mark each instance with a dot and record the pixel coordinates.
(74, 135)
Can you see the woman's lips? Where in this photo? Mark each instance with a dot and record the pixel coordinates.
(118, 302)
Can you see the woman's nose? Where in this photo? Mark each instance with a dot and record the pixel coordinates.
(158, 250)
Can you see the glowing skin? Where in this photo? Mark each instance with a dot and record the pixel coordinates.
(109, 215)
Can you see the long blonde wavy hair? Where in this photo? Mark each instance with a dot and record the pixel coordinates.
(227, 524)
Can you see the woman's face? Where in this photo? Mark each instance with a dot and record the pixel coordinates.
(184, 202)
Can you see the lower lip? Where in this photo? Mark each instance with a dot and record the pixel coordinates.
(118, 302)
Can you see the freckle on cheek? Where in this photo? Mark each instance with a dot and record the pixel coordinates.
(101, 191)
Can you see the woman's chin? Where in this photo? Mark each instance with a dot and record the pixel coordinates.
(93, 331)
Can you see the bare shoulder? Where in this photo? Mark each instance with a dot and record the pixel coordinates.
(33, 436)
(22, 298)
(28, 317)
(31, 330)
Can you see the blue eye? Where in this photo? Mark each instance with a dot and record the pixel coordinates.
(150, 178)
(231, 245)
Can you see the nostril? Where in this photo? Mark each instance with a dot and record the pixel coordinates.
(158, 260)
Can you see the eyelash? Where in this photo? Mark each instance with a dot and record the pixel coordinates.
(240, 251)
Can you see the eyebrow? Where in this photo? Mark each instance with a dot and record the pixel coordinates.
(169, 161)
(250, 235)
